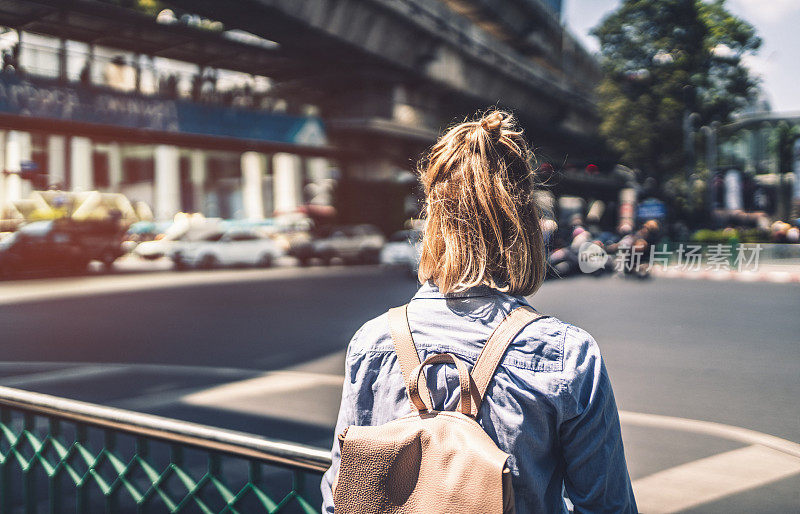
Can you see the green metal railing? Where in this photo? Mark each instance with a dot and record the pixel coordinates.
(59, 455)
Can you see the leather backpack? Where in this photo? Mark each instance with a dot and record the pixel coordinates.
(430, 461)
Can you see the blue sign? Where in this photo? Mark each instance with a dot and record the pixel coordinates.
(41, 98)
(28, 166)
(651, 210)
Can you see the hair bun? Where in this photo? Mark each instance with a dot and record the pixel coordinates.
(492, 122)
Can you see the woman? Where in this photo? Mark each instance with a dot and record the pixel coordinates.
(550, 404)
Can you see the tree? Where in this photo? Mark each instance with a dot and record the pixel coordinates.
(782, 144)
(663, 59)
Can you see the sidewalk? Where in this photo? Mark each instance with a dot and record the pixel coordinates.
(775, 272)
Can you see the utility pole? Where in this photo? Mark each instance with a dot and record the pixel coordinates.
(689, 122)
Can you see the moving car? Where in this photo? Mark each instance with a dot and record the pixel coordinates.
(403, 250)
(358, 244)
(60, 245)
(294, 236)
(232, 248)
(185, 229)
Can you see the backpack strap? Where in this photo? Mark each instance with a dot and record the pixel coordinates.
(407, 355)
(464, 404)
(496, 347)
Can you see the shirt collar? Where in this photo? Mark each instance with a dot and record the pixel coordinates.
(430, 290)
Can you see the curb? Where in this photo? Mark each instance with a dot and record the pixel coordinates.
(776, 277)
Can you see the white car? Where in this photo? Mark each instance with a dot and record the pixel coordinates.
(185, 229)
(152, 250)
(403, 250)
(232, 248)
(353, 244)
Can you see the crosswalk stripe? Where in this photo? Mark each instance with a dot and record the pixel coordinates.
(276, 382)
(712, 478)
(730, 432)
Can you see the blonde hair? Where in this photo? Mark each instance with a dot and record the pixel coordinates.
(482, 223)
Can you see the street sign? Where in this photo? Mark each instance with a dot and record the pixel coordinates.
(28, 166)
(651, 210)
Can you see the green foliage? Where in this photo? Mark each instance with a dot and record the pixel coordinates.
(151, 7)
(688, 199)
(662, 59)
(725, 236)
(783, 144)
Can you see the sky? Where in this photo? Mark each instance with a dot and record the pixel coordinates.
(776, 21)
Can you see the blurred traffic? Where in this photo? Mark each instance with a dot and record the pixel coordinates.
(69, 233)
(83, 230)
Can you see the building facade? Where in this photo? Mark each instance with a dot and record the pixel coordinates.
(756, 161)
(171, 135)
(281, 107)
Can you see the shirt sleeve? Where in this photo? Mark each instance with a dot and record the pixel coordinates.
(348, 415)
(596, 475)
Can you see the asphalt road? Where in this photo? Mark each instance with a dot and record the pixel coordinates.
(262, 351)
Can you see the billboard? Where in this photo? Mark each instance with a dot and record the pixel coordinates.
(41, 98)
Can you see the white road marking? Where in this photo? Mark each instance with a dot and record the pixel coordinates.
(44, 377)
(775, 276)
(712, 478)
(309, 398)
(15, 292)
(781, 277)
(277, 382)
(742, 435)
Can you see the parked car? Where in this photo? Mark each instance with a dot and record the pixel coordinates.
(184, 229)
(160, 247)
(299, 245)
(294, 236)
(60, 245)
(359, 244)
(231, 248)
(403, 250)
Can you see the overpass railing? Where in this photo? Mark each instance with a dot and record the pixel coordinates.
(60, 455)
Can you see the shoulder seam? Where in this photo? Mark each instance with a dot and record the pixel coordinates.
(353, 342)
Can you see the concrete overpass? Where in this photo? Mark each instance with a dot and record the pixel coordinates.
(388, 75)
(385, 75)
(405, 67)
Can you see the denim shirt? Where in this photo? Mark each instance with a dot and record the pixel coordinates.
(550, 404)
